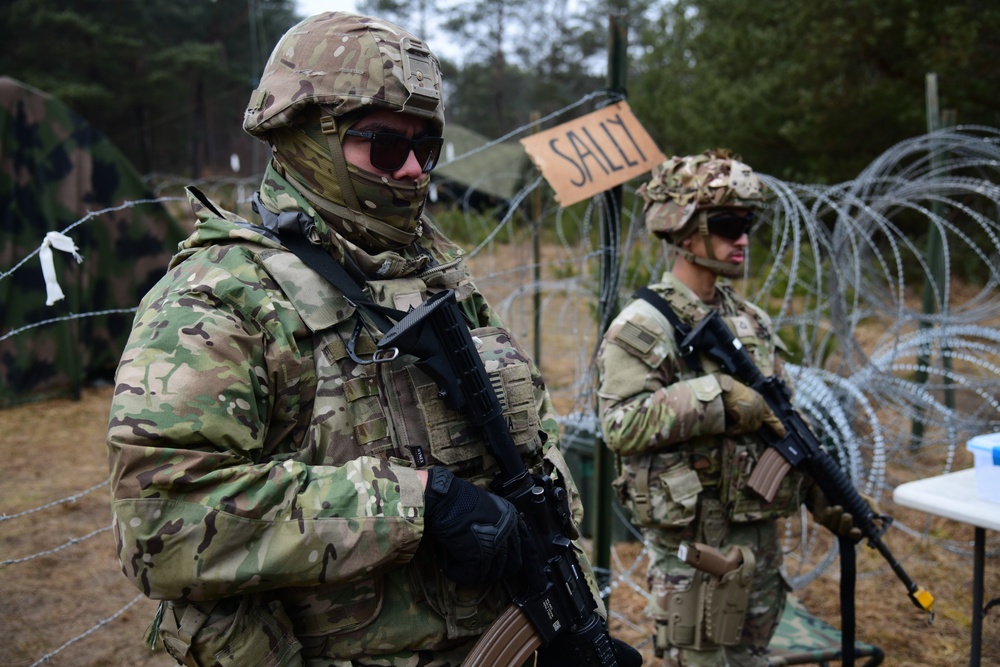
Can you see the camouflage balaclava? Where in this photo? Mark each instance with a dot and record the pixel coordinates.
(323, 76)
(390, 217)
(684, 190)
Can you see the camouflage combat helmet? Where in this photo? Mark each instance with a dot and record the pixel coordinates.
(325, 74)
(683, 190)
(346, 62)
(682, 186)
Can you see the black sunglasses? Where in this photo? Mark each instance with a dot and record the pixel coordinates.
(389, 151)
(730, 225)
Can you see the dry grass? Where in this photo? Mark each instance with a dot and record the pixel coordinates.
(56, 449)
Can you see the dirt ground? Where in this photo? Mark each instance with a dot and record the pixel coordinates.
(55, 450)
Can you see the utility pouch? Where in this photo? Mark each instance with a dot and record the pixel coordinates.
(659, 490)
(739, 460)
(433, 433)
(231, 632)
(466, 610)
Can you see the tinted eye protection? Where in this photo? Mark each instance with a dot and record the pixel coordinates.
(389, 151)
(730, 226)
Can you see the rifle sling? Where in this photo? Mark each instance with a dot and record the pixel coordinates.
(333, 271)
(681, 330)
(318, 260)
(642, 506)
(691, 360)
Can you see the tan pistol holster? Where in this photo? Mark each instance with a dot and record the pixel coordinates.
(711, 611)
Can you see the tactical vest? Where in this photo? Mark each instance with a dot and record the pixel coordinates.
(668, 487)
(393, 411)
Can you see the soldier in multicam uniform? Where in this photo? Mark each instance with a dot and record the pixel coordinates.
(684, 436)
(289, 501)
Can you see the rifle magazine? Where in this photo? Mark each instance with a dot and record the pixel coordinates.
(507, 643)
(768, 473)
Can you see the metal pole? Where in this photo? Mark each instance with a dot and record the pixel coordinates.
(978, 565)
(536, 231)
(611, 232)
(935, 278)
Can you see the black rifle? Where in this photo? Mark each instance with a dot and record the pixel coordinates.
(799, 448)
(555, 597)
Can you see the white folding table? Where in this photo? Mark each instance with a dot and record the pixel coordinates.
(953, 496)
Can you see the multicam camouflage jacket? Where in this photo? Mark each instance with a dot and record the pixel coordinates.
(251, 454)
(666, 421)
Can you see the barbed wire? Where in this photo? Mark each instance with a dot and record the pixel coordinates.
(100, 624)
(48, 552)
(65, 318)
(89, 216)
(835, 272)
(55, 503)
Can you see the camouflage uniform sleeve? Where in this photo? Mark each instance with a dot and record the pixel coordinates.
(642, 404)
(203, 506)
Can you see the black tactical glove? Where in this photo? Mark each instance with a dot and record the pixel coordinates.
(476, 534)
(626, 654)
(561, 653)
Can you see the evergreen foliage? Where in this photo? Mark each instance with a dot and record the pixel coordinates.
(803, 91)
(166, 81)
(811, 91)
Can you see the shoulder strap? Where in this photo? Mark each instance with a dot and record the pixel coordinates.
(322, 263)
(333, 271)
(681, 330)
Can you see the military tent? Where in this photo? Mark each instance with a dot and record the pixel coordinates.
(57, 172)
(492, 172)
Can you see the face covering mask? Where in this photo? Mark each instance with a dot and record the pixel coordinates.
(373, 211)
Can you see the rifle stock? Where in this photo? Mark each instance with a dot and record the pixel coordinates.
(555, 597)
(799, 447)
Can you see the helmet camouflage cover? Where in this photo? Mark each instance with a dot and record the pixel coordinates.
(682, 186)
(346, 62)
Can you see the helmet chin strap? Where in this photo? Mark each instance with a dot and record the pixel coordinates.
(353, 210)
(717, 266)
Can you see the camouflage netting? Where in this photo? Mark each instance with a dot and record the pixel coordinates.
(55, 169)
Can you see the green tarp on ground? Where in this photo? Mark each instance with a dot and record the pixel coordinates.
(55, 169)
(803, 639)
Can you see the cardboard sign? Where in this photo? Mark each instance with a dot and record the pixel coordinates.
(593, 153)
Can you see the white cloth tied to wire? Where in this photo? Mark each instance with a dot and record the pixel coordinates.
(62, 242)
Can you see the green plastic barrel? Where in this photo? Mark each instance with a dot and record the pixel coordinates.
(578, 443)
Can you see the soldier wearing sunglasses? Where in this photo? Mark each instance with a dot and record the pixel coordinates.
(684, 432)
(290, 497)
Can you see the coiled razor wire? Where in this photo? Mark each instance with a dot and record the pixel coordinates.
(839, 268)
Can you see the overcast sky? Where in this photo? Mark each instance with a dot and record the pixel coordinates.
(438, 45)
(310, 7)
